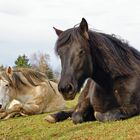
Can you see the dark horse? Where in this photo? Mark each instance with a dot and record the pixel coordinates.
(111, 63)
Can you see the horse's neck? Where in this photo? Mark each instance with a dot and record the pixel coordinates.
(23, 93)
(102, 78)
(100, 74)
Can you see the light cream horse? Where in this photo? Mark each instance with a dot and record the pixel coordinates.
(33, 90)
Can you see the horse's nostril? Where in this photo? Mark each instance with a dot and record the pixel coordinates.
(0, 106)
(69, 87)
(61, 89)
(65, 89)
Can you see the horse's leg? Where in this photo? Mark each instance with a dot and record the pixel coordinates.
(84, 110)
(104, 103)
(126, 94)
(31, 108)
(14, 109)
(59, 116)
(26, 109)
(12, 115)
(117, 114)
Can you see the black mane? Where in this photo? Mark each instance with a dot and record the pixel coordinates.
(113, 54)
(119, 58)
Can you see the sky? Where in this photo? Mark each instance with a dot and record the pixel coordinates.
(26, 26)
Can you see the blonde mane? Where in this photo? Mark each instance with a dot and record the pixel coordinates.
(25, 77)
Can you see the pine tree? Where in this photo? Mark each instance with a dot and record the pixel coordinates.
(50, 74)
(2, 68)
(22, 61)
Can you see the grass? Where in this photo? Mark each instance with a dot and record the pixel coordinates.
(35, 128)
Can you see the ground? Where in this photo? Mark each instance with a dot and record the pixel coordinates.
(35, 128)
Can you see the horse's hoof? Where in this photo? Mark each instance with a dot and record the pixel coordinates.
(50, 119)
(77, 118)
(99, 116)
(109, 116)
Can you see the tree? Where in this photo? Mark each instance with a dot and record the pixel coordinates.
(22, 61)
(50, 74)
(40, 62)
(2, 68)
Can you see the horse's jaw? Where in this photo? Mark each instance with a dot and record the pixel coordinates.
(69, 96)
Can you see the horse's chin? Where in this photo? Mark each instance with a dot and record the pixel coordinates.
(70, 96)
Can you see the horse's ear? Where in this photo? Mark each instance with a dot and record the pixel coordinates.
(9, 70)
(84, 28)
(58, 32)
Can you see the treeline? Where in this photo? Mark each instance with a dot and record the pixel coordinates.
(39, 62)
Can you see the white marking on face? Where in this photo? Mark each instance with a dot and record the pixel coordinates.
(4, 93)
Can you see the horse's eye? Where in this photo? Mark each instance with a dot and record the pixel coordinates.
(81, 52)
(7, 85)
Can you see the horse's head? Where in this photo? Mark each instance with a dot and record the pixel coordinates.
(73, 48)
(5, 88)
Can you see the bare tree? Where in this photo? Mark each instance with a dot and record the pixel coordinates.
(40, 62)
(57, 75)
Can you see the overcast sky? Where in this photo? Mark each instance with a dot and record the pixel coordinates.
(26, 25)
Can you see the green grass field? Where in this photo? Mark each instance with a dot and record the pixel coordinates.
(35, 128)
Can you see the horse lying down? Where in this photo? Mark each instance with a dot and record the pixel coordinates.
(111, 63)
(35, 93)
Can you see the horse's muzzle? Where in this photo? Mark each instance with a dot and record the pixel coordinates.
(67, 91)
